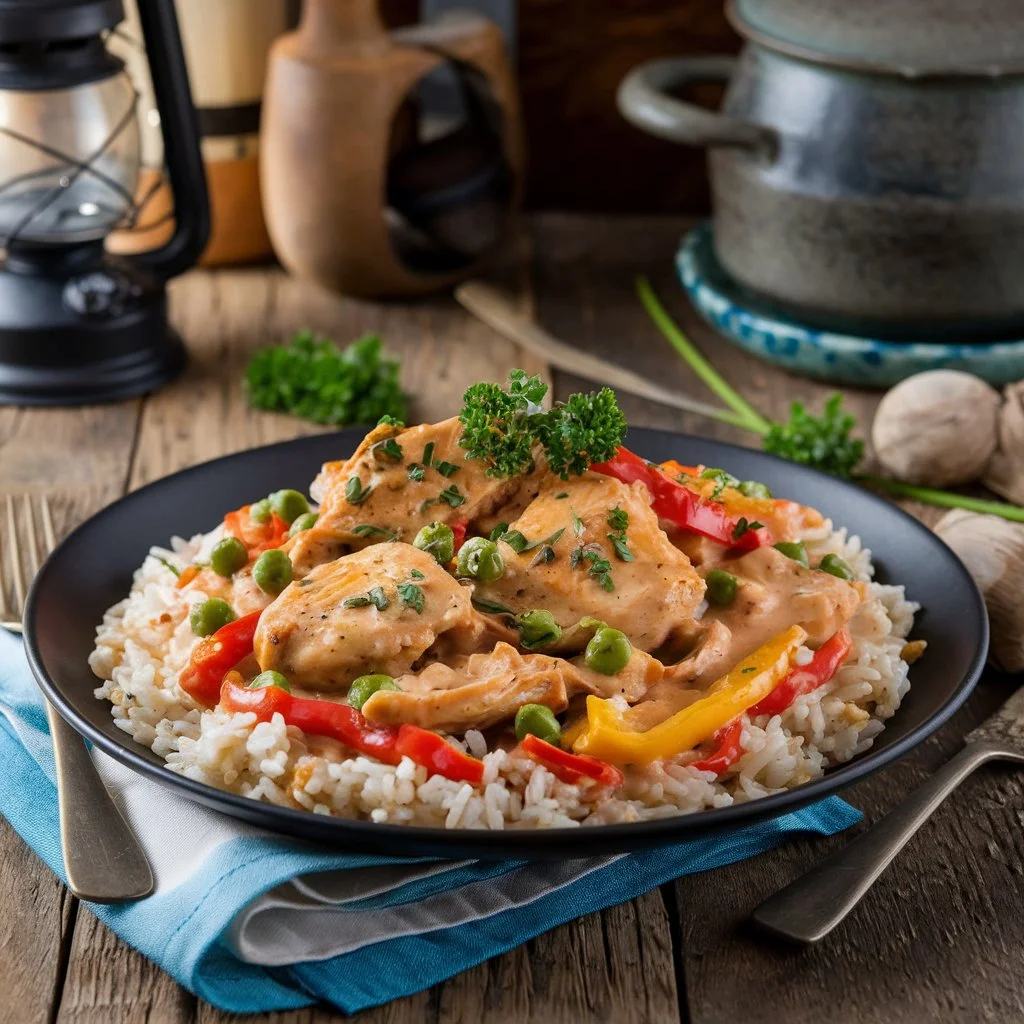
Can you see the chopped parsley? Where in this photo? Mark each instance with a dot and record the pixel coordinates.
(618, 520)
(577, 523)
(446, 469)
(499, 531)
(390, 421)
(416, 574)
(559, 497)
(519, 544)
(428, 453)
(390, 450)
(598, 567)
(167, 565)
(369, 530)
(743, 527)
(750, 668)
(546, 554)
(451, 496)
(374, 596)
(355, 493)
(416, 472)
(411, 596)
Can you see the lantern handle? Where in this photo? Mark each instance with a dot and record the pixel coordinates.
(180, 126)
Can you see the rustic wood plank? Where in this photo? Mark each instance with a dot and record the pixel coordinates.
(938, 937)
(79, 458)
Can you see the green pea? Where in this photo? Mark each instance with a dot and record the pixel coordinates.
(270, 678)
(794, 549)
(836, 566)
(753, 489)
(608, 652)
(208, 616)
(480, 559)
(538, 628)
(436, 539)
(363, 688)
(228, 556)
(304, 522)
(259, 511)
(288, 504)
(721, 587)
(537, 720)
(272, 571)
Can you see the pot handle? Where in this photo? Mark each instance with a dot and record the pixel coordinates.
(644, 102)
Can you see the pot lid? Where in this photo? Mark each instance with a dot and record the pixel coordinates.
(908, 37)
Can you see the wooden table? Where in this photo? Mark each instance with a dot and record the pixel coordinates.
(938, 940)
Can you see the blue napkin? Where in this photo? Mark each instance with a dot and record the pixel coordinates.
(253, 922)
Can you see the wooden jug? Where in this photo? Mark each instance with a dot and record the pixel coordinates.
(336, 118)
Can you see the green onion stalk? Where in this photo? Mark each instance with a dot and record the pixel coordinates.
(823, 443)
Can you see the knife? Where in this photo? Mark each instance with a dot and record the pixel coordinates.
(809, 908)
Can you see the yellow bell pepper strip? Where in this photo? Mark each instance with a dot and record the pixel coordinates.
(750, 681)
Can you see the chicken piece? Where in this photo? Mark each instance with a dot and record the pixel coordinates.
(392, 501)
(776, 592)
(651, 597)
(474, 692)
(311, 636)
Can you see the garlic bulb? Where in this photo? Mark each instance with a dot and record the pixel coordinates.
(993, 551)
(1005, 472)
(937, 428)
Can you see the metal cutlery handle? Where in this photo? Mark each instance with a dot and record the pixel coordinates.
(810, 907)
(102, 858)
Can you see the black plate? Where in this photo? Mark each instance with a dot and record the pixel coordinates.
(93, 568)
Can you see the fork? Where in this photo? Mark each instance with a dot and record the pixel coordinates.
(103, 861)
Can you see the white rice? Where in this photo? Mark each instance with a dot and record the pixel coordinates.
(145, 641)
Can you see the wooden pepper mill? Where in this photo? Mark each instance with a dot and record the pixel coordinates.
(355, 197)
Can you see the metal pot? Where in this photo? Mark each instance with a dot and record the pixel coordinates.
(883, 186)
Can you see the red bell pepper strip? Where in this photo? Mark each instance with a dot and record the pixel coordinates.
(681, 506)
(572, 768)
(437, 755)
(316, 717)
(351, 728)
(728, 751)
(214, 656)
(257, 537)
(459, 528)
(819, 670)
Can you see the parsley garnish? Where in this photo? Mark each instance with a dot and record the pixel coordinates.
(312, 378)
(355, 493)
(502, 427)
(519, 544)
(451, 496)
(559, 497)
(411, 596)
(416, 473)
(621, 547)
(446, 469)
(389, 449)
(618, 520)
(374, 596)
(369, 530)
(428, 453)
(546, 554)
(390, 421)
(722, 480)
(500, 530)
(600, 569)
(416, 574)
(745, 671)
(167, 565)
(743, 527)
(577, 523)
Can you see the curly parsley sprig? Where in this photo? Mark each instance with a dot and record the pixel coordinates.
(504, 426)
(823, 442)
